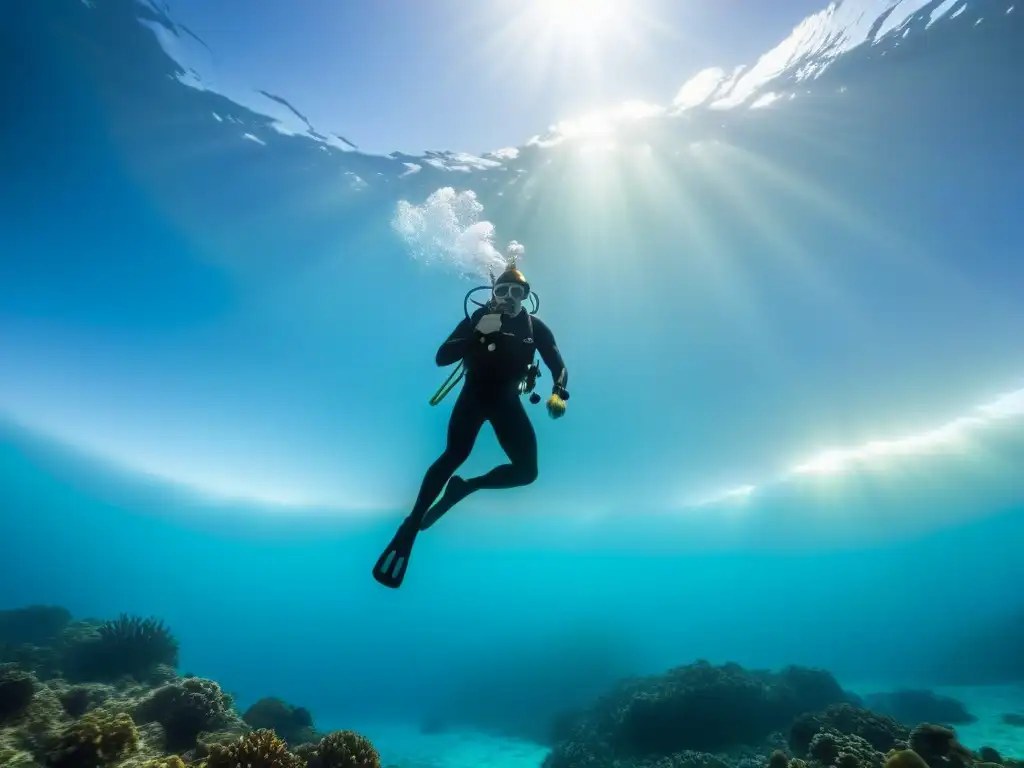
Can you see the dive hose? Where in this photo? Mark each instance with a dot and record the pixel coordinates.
(460, 370)
(449, 384)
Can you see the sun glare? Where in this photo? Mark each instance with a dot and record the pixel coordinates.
(580, 19)
(572, 41)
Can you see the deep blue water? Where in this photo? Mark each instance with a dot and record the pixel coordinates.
(215, 356)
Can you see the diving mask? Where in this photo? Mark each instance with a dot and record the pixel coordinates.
(513, 291)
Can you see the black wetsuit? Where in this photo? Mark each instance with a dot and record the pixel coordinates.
(490, 392)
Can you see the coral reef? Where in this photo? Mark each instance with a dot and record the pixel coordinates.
(129, 646)
(185, 709)
(691, 712)
(830, 747)
(16, 690)
(1013, 718)
(109, 697)
(703, 716)
(905, 758)
(913, 706)
(93, 741)
(291, 723)
(704, 708)
(259, 749)
(989, 755)
(114, 700)
(164, 762)
(939, 746)
(36, 625)
(880, 731)
(340, 749)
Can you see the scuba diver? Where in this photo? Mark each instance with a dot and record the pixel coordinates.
(495, 347)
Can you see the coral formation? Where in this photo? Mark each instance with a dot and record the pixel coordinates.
(691, 711)
(341, 749)
(695, 716)
(129, 646)
(93, 741)
(259, 749)
(185, 709)
(830, 747)
(904, 758)
(989, 755)
(164, 762)
(77, 700)
(880, 731)
(33, 625)
(16, 690)
(148, 717)
(705, 708)
(291, 723)
(914, 706)
(939, 746)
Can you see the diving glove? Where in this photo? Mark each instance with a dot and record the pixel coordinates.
(489, 324)
(556, 406)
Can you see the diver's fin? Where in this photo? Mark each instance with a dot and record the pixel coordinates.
(394, 561)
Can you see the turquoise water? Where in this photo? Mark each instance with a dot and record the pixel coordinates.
(793, 332)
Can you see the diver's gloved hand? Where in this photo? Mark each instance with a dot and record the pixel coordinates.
(556, 403)
(489, 324)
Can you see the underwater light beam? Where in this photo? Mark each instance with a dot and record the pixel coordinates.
(955, 437)
(567, 39)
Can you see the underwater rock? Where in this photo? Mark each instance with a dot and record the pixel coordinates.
(812, 690)
(939, 746)
(42, 662)
(79, 699)
(988, 654)
(830, 747)
(37, 728)
(291, 723)
(185, 709)
(173, 761)
(17, 688)
(93, 741)
(904, 758)
(989, 755)
(34, 625)
(698, 709)
(882, 732)
(914, 706)
(708, 708)
(562, 726)
(146, 716)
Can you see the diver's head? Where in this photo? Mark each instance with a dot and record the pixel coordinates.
(510, 291)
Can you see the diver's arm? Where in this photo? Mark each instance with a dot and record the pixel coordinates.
(454, 347)
(552, 357)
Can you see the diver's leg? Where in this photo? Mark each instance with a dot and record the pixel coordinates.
(467, 418)
(514, 430)
(463, 427)
(515, 434)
